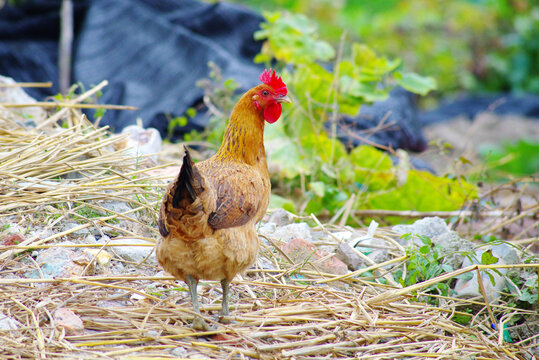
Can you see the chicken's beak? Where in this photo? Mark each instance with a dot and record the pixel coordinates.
(282, 99)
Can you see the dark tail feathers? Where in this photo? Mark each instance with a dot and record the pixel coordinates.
(188, 184)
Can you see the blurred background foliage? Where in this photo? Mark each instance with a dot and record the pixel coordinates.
(336, 55)
(478, 45)
(312, 172)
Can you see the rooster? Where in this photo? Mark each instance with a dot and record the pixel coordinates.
(208, 214)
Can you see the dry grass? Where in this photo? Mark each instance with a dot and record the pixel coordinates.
(53, 175)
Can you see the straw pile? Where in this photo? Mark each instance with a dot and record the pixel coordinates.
(49, 175)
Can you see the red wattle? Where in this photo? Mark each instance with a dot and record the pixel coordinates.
(272, 112)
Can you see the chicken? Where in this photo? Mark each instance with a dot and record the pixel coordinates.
(208, 214)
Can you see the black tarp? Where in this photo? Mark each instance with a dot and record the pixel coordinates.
(151, 52)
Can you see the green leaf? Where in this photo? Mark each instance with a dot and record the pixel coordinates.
(425, 239)
(528, 297)
(318, 188)
(424, 249)
(447, 268)
(362, 54)
(462, 319)
(424, 191)
(491, 277)
(292, 38)
(531, 281)
(414, 82)
(277, 202)
(488, 259)
(464, 160)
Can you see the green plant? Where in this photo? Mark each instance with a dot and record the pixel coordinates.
(524, 286)
(88, 212)
(311, 166)
(512, 159)
(73, 92)
(424, 263)
(310, 157)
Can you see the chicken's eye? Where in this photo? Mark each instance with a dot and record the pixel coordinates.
(265, 93)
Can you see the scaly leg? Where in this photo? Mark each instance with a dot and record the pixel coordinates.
(225, 313)
(198, 322)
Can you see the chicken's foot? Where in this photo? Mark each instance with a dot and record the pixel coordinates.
(198, 322)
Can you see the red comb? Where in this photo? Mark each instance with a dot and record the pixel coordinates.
(269, 77)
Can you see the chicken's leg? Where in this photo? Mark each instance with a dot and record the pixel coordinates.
(198, 322)
(225, 313)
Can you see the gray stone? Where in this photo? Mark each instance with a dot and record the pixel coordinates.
(60, 262)
(343, 235)
(470, 288)
(89, 239)
(506, 252)
(506, 255)
(135, 253)
(119, 207)
(281, 217)
(71, 225)
(378, 256)
(287, 232)
(347, 255)
(453, 248)
(429, 226)
(180, 352)
(32, 115)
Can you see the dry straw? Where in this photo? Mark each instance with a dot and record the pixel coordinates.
(52, 175)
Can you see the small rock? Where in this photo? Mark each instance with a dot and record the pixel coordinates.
(89, 239)
(112, 303)
(7, 323)
(40, 233)
(71, 225)
(281, 217)
(343, 235)
(506, 253)
(266, 229)
(136, 297)
(133, 253)
(152, 334)
(347, 255)
(101, 256)
(82, 258)
(119, 207)
(11, 228)
(453, 248)
(429, 226)
(67, 319)
(180, 352)
(265, 263)
(299, 250)
(57, 262)
(470, 288)
(85, 260)
(32, 114)
(286, 233)
(378, 256)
